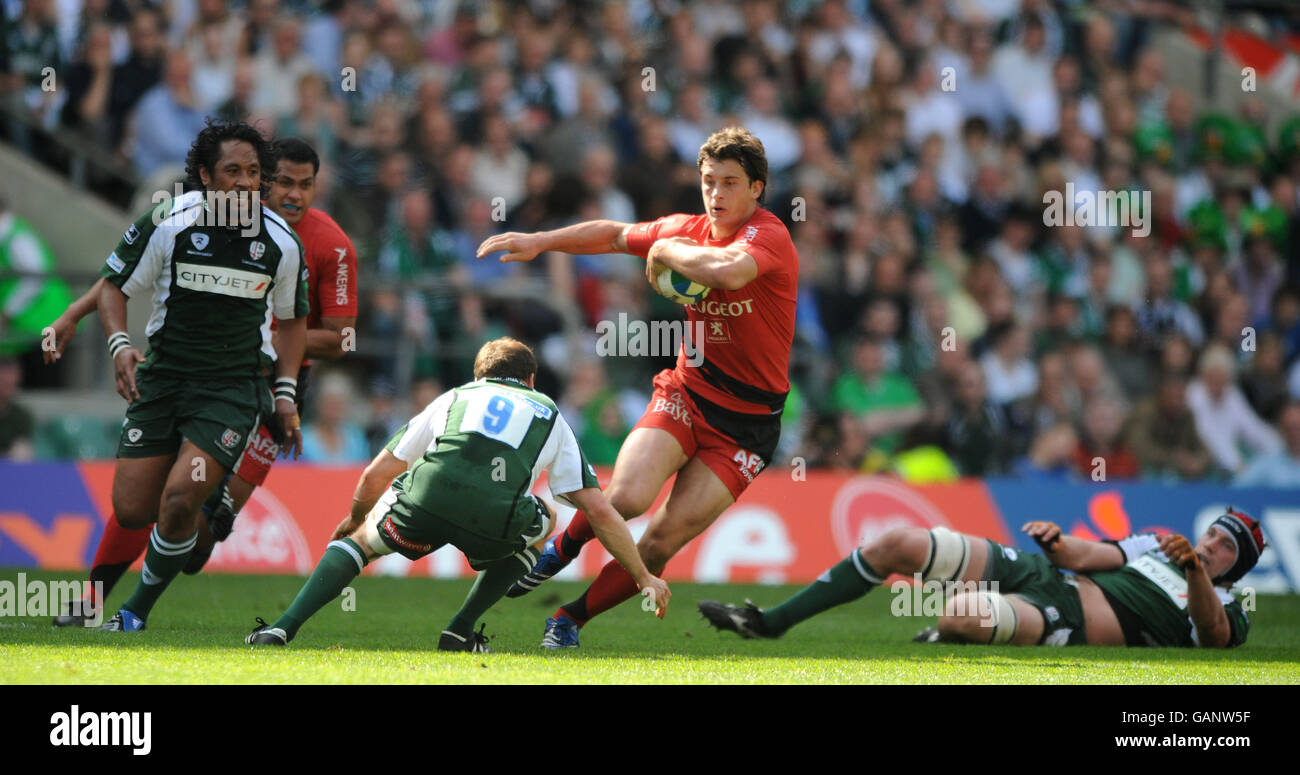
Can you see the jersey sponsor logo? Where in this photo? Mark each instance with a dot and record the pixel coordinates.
(718, 333)
(726, 309)
(750, 233)
(539, 409)
(115, 263)
(674, 407)
(229, 439)
(199, 240)
(341, 279)
(256, 249)
(1164, 577)
(132, 234)
(222, 280)
(749, 464)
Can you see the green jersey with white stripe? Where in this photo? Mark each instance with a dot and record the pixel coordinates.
(1155, 590)
(214, 289)
(476, 451)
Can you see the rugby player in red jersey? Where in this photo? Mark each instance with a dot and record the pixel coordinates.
(332, 270)
(714, 425)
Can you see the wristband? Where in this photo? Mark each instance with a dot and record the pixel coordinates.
(286, 388)
(118, 342)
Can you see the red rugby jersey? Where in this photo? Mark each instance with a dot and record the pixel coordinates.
(747, 332)
(331, 267)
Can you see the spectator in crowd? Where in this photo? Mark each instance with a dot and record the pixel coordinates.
(167, 119)
(975, 436)
(333, 438)
(16, 423)
(1263, 381)
(1102, 454)
(1280, 468)
(884, 402)
(1122, 351)
(1224, 419)
(1162, 433)
(1051, 456)
(31, 293)
(1009, 374)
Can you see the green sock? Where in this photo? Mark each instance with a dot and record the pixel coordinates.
(489, 587)
(849, 580)
(340, 564)
(163, 561)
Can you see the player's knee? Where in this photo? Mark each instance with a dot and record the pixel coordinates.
(132, 516)
(176, 515)
(897, 549)
(627, 502)
(656, 551)
(979, 617)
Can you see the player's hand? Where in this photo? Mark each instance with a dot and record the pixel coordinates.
(656, 589)
(1180, 551)
(287, 413)
(1047, 534)
(518, 247)
(64, 330)
(653, 264)
(346, 528)
(124, 368)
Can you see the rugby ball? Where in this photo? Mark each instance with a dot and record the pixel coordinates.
(677, 287)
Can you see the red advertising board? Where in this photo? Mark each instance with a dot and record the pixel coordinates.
(783, 529)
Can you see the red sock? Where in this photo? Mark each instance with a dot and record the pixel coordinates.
(118, 548)
(575, 536)
(612, 586)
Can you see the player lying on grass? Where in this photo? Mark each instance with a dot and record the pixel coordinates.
(331, 280)
(1145, 590)
(463, 469)
(715, 425)
(216, 269)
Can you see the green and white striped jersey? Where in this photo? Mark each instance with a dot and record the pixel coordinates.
(476, 451)
(1155, 590)
(214, 289)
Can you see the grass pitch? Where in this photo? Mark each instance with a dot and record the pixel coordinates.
(196, 637)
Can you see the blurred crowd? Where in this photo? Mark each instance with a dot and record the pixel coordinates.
(943, 329)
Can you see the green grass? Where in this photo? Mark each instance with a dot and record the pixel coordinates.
(196, 636)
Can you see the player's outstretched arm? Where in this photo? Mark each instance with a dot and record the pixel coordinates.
(112, 315)
(1071, 553)
(65, 325)
(374, 480)
(726, 268)
(583, 238)
(1203, 606)
(613, 534)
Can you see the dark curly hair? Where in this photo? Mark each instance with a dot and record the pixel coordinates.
(205, 152)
